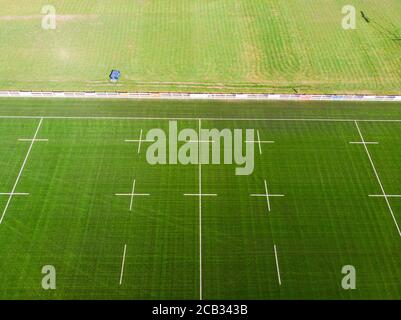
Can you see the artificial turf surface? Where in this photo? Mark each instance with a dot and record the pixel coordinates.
(202, 45)
(72, 219)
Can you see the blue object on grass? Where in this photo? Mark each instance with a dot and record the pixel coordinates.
(115, 75)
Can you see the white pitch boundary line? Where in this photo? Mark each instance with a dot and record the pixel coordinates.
(122, 265)
(277, 265)
(206, 118)
(20, 172)
(200, 214)
(378, 179)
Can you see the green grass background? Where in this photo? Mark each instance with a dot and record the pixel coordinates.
(202, 45)
(72, 220)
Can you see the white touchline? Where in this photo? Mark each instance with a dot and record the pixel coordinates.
(20, 172)
(206, 118)
(277, 266)
(378, 179)
(266, 195)
(201, 195)
(122, 265)
(259, 142)
(132, 195)
(200, 214)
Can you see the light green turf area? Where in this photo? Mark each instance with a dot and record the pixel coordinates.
(202, 45)
(73, 220)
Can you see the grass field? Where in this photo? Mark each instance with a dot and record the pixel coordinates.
(202, 45)
(73, 220)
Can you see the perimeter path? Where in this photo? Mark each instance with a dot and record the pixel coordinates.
(196, 96)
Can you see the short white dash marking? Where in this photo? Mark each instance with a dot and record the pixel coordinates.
(140, 142)
(122, 265)
(277, 265)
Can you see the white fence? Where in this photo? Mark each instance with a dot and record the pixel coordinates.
(196, 96)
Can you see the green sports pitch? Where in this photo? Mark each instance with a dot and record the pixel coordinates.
(202, 46)
(64, 162)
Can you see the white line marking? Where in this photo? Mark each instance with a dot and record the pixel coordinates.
(206, 118)
(387, 195)
(259, 142)
(122, 265)
(201, 195)
(200, 214)
(132, 195)
(266, 195)
(34, 140)
(21, 170)
(14, 194)
(360, 142)
(140, 142)
(277, 266)
(378, 179)
(269, 195)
